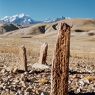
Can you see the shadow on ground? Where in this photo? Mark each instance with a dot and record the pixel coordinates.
(75, 72)
(87, 93)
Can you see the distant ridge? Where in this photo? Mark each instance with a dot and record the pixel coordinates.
(25, 20)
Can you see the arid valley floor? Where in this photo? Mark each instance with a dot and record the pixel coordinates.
(82, 59)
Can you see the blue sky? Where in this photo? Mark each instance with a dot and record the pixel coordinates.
(42, 9)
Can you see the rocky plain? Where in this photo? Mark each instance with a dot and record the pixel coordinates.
(37, 81)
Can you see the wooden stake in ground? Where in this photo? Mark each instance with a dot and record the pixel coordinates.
(60, 64)
(43, 54)
(23, 58)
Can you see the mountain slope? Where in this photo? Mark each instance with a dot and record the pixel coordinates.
(7, 28)
(20, 19)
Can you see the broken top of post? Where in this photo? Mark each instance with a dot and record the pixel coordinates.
(60, 64)
(23, 58)
(43, 54)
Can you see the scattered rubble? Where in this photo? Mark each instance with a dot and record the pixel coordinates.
(37, 82)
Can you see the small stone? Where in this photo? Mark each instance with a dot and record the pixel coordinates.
(81, 83)
(22, 77)
(31, 71)
(38, 66)
(1, 85)
(9, 69)
(86, 81)
(37, 92)
(15, 70)
(29, 89)
(16, 81)
(23, 84)
(4, 87)
(25, 73)
(78, 90)
(42, 93)
(3, 71)
(19, 92)
(26, 93)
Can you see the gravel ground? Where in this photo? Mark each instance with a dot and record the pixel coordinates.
(81, 78)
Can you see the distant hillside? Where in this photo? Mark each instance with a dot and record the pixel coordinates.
(7, 28)
(32, 30)
(78, 25)
(82, 24)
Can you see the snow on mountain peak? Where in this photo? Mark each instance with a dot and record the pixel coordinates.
(21, 15)
(23, 19)
(20, 19)
(5, 17)
(54, 19)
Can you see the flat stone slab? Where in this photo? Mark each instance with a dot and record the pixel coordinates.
(38, 66)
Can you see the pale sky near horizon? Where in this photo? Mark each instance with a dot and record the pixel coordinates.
(42, 9)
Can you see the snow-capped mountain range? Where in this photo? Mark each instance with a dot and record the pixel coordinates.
(22, 19)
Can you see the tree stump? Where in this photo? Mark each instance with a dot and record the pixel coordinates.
(60, 64)
(43, 54)
(23, 58)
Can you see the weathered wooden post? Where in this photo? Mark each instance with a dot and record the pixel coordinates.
(43, 53)
(23, 58)
(60, 64)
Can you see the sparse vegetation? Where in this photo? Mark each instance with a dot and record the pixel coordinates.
(81, 66)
